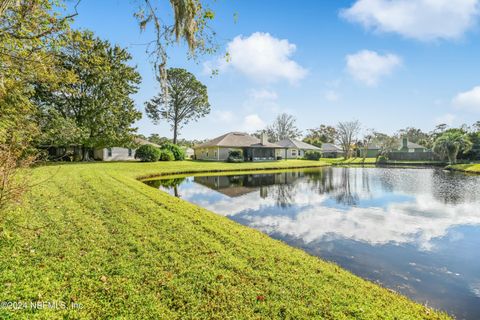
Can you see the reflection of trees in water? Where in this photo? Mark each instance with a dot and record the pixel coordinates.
(170, 184)
(344, 193)
(166, 183)
(321, 180)
(284, 194)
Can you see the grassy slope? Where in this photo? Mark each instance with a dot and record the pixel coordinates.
(471, 168)
(125, 250)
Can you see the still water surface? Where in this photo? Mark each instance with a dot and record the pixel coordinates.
(416, 231)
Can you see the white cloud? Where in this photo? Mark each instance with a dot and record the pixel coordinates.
(447, 119)
(252, 122)
(263, 94)
(468, 100)
(332, 96)
(418, 19)
(262, 58)
(369, 66)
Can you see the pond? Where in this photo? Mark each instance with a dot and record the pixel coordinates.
(415, 230)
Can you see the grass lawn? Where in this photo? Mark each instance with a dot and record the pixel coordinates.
(94, 235)
(471, 168)
(342, 161)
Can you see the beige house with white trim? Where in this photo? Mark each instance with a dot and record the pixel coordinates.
(253, 149)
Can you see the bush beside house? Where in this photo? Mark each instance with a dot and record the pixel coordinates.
(147, 153)
(177, 152)
(312, 155)
(166, 155)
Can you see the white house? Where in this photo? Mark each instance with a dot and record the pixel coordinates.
(119, 153)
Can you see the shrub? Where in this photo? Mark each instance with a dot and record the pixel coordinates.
(147, 153)
(178, 153)
(166, 155)
(235, 156)
(382, 159)
(312, 155)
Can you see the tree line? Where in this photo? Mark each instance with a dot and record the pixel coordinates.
(448, 143)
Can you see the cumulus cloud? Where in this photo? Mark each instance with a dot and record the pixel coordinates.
(468, 100)
(369, 66)
(262, 58)
(263, 94)
(423, 20)
(252, 122)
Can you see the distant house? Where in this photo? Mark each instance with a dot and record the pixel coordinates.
(189, 153)
(294, 149)
(119, 153)
(330, 150)
(253, 149)
(403, 146)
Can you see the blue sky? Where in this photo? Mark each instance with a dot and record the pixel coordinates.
(387, 63)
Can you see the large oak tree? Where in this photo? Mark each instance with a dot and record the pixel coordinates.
(97, 101)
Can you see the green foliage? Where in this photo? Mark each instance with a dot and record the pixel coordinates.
(147, 153)
(186, 101)
(313, 155)
(382, 159)
(166, 155)
(177, 152)
(324, 133)
(283, 127)
(126, 250)
(235, 156)
(98, 99)
(450, 143)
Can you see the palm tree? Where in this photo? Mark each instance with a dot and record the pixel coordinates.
(451, 143)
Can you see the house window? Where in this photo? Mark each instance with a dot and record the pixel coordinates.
(109, 152)
(207, 154)
(294, 153)
(129, 152)
(215, 153)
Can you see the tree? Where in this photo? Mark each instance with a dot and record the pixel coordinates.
(29, 31)
(155, 138)
(385, 142)
(450, 143)
(190, 23)
(346, 135)
(413, 134)
(283, 127)
(98, 99)
(323, 134)
(186, 101)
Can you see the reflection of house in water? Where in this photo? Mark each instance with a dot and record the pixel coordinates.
(238, 185)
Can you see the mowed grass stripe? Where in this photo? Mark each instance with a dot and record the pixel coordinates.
(125, 250)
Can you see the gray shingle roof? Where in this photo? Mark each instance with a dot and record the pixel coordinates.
(330, 147)
(293, 143)
(236, 140)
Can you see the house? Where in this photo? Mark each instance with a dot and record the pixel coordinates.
(402, 146)
(253, 149)
(330, 150)
(120, 153)
(189, 153)
(294, 149)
